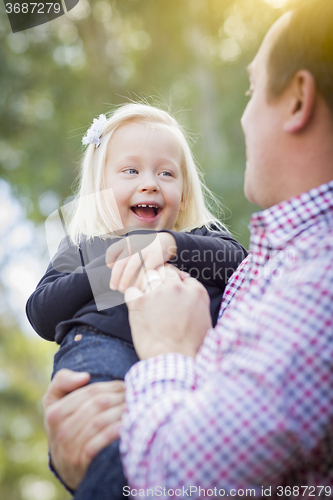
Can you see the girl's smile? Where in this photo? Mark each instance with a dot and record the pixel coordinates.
(147, 210)
(143, 169)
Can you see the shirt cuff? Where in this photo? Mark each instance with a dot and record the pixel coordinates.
(56, 475)
(154, 376)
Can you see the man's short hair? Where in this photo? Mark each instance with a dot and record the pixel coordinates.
(306, 42)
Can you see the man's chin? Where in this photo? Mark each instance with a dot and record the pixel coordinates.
(250, 194)
(247, 188)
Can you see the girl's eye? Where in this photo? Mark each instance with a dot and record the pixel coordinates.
(167, 173)
(130, 170)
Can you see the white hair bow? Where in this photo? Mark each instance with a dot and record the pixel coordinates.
(93, 134)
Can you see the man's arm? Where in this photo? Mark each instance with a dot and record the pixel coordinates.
(262, 410)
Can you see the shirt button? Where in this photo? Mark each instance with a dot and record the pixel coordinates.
(78, 337)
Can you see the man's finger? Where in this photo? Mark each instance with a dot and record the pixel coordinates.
(64, 382)
(100, 422)
(88, 419)
(133, 265)
(101, 440)
(139, 279)
(64, 407)
(117, 271)
(152, 279)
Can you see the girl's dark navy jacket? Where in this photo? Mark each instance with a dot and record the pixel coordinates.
(75, 288)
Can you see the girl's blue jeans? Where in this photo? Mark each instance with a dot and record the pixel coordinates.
(106, 358)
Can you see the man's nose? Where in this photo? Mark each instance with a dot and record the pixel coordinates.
(243, 119)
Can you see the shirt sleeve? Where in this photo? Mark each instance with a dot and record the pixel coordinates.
(208, 255)
(64, 289)
(262, 410)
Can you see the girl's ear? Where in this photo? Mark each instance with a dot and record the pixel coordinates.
(302, 100)
(182, 205)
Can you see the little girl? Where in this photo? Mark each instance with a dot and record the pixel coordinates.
(140, 204)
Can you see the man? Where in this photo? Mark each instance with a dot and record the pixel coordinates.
(246, 408)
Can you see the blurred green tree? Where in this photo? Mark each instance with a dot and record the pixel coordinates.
(25, 366)
(188, 56)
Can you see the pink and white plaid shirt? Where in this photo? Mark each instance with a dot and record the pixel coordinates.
(254, 410)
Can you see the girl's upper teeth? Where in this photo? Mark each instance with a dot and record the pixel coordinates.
(150, 206)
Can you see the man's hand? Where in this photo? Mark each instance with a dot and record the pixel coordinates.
(174, 317)
(79, 424)
(129, 267)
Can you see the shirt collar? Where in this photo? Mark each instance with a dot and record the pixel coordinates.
(273, 228)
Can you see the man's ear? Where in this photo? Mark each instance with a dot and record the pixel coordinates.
(302, 100)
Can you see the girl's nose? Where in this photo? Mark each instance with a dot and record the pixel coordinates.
(149, 185)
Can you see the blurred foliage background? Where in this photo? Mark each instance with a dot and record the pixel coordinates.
(191, 56)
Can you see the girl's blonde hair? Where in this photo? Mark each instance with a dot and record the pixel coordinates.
(93, 216)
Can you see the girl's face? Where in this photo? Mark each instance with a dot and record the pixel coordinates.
(143, 170)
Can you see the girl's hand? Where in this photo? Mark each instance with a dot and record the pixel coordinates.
(129, 264)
